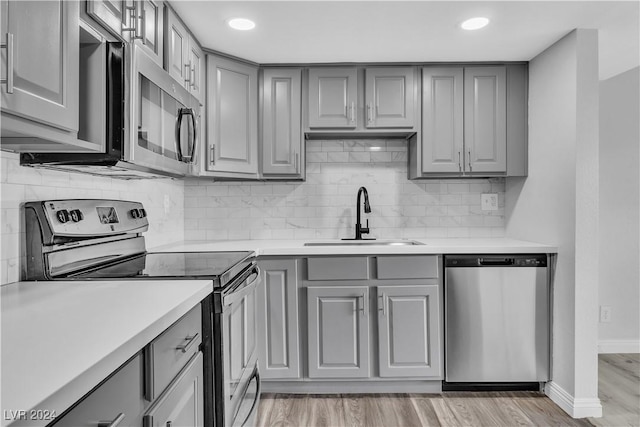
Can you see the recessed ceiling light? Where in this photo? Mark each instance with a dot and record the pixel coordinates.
(242, 24)
(475, 23)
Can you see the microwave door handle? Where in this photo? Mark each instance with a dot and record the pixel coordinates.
(194, 140)
(243, 290)
(181, 113)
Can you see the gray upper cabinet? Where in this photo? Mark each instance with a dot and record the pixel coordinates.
(333, 97)
(474, 122)
(338, 331)
(278, 346)
(389, 97)
(282, 139)
(485, 119)
(442, 119)
(150, 29)
(116, 16)
(408, 331)
(232, 118)
(184, 59)
(39, 33)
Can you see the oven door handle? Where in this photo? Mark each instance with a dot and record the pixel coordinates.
(256, 375)
(243, 289)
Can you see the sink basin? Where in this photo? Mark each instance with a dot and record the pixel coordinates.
(365, 243)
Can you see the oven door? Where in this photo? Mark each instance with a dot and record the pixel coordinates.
(240, 377)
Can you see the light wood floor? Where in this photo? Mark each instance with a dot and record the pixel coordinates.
(507, 409)
(619, 390)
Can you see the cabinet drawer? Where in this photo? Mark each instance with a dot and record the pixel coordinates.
(118, 397)
(408, 267)
(170, 352)
(334, 268)
(182, 404)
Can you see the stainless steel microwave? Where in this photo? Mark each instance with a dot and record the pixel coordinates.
(151, 122)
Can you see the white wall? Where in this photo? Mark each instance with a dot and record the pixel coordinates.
(558, 204)
(619, 212)
(21, 184)
(324, 206)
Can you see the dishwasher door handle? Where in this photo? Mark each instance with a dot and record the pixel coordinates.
(495, 261)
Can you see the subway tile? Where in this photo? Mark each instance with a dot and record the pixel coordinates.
(338, 157)
(332, 146)
(359, 157)
(316, 157)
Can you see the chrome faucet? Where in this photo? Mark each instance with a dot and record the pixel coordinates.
(360, 230)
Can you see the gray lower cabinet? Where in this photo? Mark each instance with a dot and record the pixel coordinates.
(408, 331)
(338, 331)
(282, 139)
(118, 398)
(277, 311)
(182, 403)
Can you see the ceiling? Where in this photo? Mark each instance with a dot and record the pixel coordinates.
(411, 31)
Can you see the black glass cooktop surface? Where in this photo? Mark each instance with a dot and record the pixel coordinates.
(219, 266)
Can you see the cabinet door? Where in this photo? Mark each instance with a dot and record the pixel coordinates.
(485, 115)
(178, 54)
(338, 322)
(278, 346)
(442, 119)
(408, 331)
(118, 397)
(182, 403)
(42, 32)
(151, 28)
(112, 14)
(196, 65)
(281, 127)
(389, 97)
(232, 120)
(333, 97)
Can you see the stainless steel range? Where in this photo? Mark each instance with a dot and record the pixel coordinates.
(102, 239)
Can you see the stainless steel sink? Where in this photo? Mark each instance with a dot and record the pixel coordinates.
(365, 243)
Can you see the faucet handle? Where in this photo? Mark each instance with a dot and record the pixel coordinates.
(365, 230)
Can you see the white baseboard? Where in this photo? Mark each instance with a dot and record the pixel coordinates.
(619, 346)
(577, 408)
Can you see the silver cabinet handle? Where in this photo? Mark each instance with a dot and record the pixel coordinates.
(353, 112)
(212, 156)
(381, 305)
(362, 306)
(369, 120)
(187, 70)
(192, 77)
(470, 168)
(296, 162)
(190, 341)
(113, 423)
(459, 162)
(9, 46)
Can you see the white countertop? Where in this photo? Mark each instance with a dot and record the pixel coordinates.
(428, 246)
(60, 339)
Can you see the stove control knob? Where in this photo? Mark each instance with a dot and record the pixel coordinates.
(76, 215)
(135, 213)
(63, 216)
(143, 213)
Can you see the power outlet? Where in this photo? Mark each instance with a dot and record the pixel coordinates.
(489, 201)
(605, 314)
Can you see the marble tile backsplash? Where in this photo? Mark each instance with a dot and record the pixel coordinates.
(324, 206)
(162, 198)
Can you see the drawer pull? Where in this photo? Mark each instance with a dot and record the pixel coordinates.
(190, 341)
(114, 423)
(9, 46)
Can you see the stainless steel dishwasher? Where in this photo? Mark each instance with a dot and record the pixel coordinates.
(497, 322)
